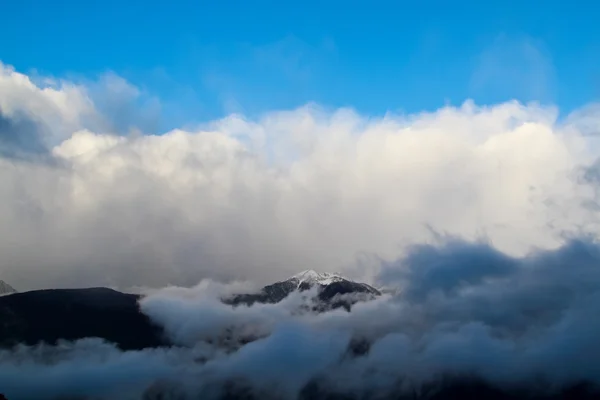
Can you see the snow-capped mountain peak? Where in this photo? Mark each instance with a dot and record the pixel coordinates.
(322, 278)
(330, 287)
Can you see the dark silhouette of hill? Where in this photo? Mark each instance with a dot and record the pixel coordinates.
(71, 314)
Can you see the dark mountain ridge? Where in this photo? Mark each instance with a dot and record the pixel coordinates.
(70, 314)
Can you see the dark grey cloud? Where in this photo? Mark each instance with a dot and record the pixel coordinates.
(430, 268)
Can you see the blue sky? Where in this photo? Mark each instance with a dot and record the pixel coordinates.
(205, 59)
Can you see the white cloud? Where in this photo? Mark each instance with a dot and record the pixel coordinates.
(262, 199)
(515, 66)
(55, 109)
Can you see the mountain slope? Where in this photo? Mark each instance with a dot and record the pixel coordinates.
(71, 314)
(5, 288)
(333, 290)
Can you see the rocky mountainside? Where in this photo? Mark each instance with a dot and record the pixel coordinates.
(334, 290)
(5, 288)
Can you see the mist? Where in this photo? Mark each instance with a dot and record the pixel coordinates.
(520, 322)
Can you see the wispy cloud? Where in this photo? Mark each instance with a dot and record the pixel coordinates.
(282, 72)
(514, 68)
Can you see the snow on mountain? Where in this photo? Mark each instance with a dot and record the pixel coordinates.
(5, 288)
(308, 278)
(331, 287)
(322, 278)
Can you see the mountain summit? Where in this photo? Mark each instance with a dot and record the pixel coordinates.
(322, 278)
(5, 288)
(334, 290)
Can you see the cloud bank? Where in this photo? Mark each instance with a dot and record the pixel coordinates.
(86, 204)
(524, 325)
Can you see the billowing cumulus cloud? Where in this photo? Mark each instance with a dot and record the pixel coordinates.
(34, 117)
(264, 198)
